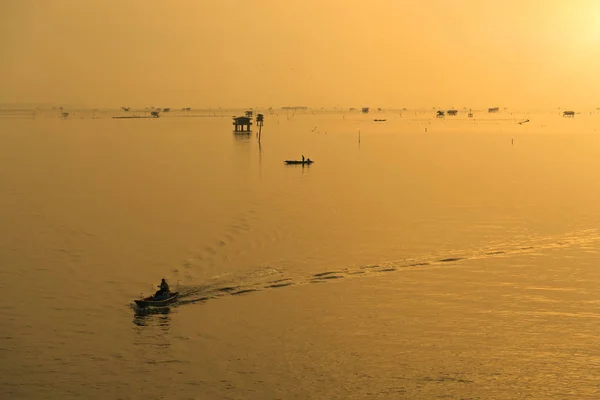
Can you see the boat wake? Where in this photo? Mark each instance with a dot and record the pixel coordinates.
(276, 278)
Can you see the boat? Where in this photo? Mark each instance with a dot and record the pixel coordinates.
(150, 302)
(292, 162)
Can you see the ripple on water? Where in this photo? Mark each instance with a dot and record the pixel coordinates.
(258, 279)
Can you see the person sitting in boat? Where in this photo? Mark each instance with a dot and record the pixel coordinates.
(163, 291)
(302, 157)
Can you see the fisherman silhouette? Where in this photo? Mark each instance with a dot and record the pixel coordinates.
(163, 291)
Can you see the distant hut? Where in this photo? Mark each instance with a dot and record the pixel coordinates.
(440, 114)
(452, 112)
(249, 113)
(166, 109)
(365, 109)
(242, 124)
(155, 114)
(493, 109)
(569, 114)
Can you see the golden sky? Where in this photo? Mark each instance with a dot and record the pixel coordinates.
(261, 53)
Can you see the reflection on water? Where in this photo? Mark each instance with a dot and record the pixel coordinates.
(435, 252)
(152, 340)
(152, 328)
(147, 315)
(242, 136)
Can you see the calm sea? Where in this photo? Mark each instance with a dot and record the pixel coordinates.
(417, 258)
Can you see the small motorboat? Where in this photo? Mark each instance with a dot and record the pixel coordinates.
(150, 302)
(292, 162)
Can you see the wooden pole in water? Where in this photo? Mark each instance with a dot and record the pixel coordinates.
(259, 122)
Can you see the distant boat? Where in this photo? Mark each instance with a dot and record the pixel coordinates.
(379, 120)
(133, 117)
(293, 162)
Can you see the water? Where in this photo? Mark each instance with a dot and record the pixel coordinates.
(416, 258)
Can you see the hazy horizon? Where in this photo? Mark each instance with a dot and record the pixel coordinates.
(388, 54)
(294, 108)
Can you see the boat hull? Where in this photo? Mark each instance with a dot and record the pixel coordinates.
(294, 162)
(149, 302)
